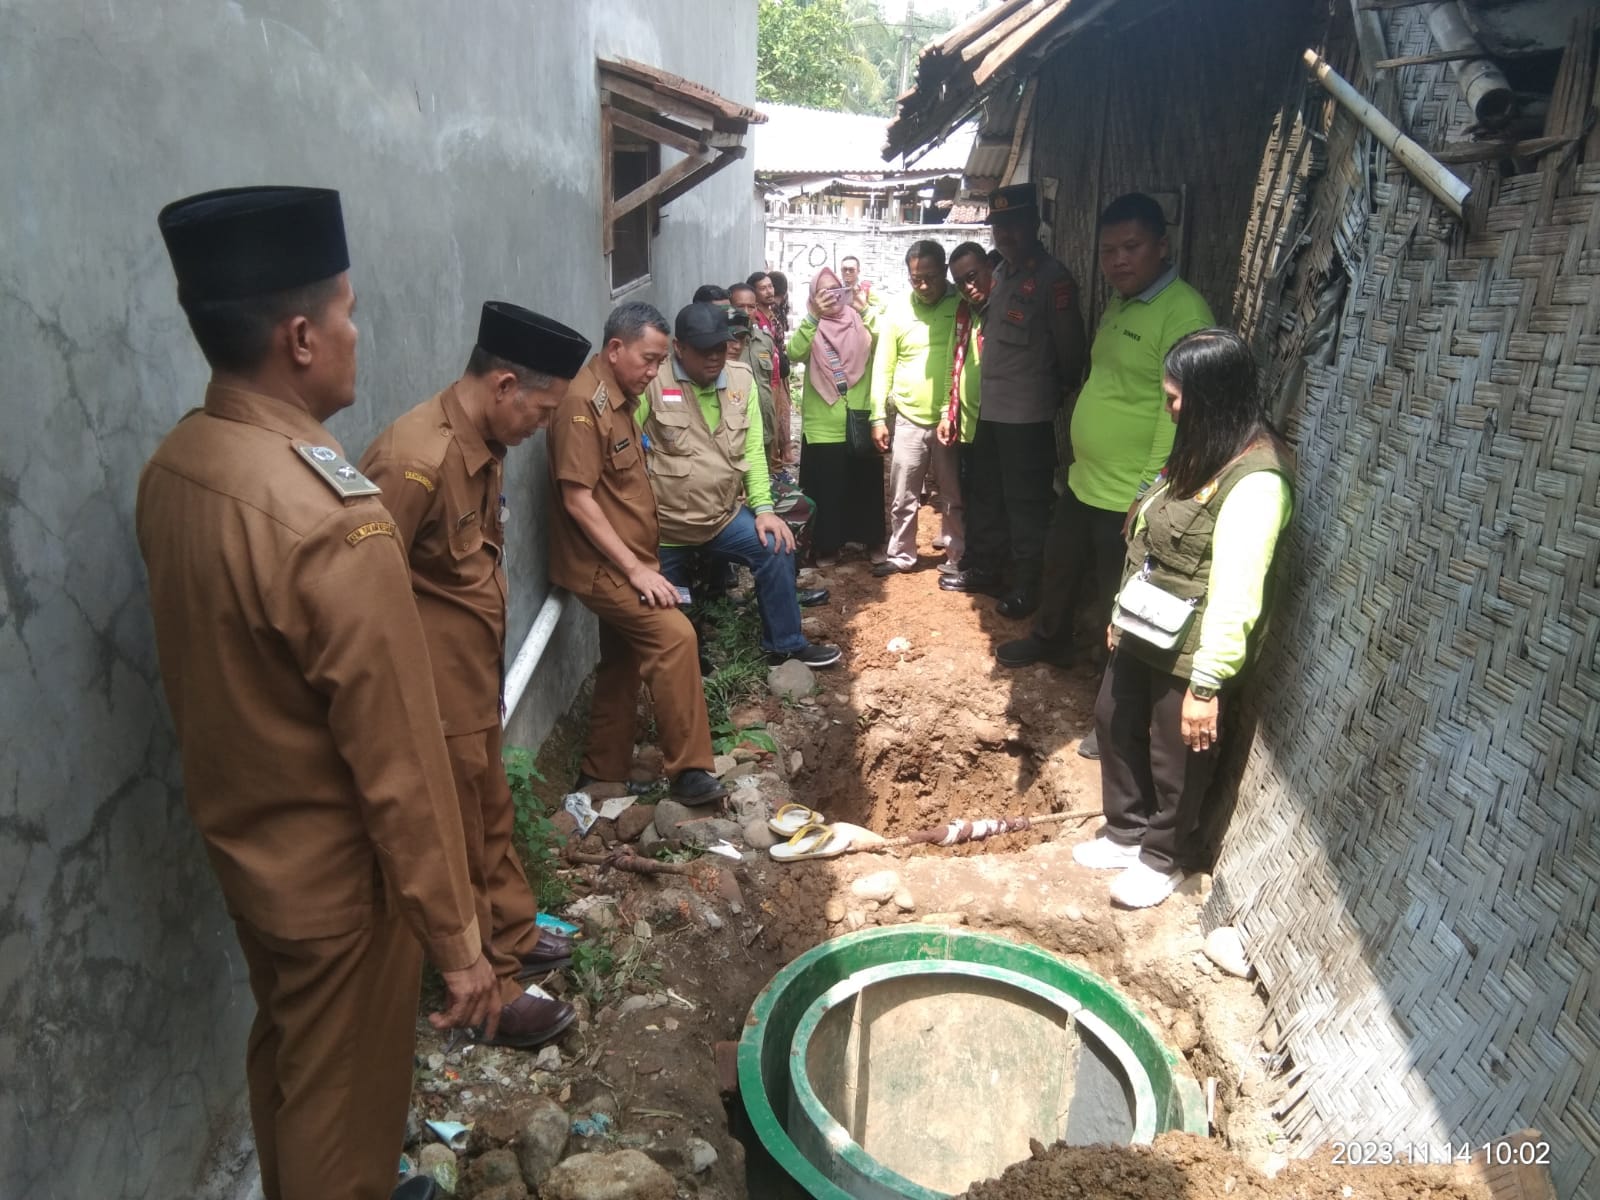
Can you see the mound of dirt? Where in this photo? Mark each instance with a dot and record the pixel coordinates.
(1181, 1166)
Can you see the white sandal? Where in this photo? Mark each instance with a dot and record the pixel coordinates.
(814, 841)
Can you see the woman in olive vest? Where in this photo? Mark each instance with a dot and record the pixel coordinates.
(1196, 591)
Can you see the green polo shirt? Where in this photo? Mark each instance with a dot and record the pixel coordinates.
(1121, 433)
(911, 367)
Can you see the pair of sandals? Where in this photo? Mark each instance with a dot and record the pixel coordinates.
(809, 835)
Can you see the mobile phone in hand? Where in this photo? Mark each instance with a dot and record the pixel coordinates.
(684, 596)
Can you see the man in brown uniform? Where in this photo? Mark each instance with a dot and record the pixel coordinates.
(294, 664)
(440, 468)
(603, 538)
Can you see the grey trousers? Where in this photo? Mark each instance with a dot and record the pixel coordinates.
(914, 451)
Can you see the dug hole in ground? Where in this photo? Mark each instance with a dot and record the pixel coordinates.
(632, 1100)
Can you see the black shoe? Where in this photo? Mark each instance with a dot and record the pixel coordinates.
(985, 583)
(816, 656)
(1089, 747)
(884, 569)
(1018, 605)
(695, 786)
(811, 597)
(1024, 652)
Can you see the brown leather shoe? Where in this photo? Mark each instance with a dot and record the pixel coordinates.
(551, 953)
(530, 1021)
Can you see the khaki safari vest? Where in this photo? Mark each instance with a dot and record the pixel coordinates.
(1176, 538)
(698, 472)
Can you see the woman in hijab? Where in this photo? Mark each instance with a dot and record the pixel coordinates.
(835, 342)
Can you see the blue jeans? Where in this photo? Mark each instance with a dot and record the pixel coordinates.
(775, 579)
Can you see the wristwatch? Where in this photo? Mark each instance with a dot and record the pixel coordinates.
(1201, 692)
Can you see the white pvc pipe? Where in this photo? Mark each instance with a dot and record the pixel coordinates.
(532, 650)
(1429, 170)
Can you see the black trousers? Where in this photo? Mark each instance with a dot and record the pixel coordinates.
(1008, 514)
(1152, 786)
(846, 491)
(1084, 547)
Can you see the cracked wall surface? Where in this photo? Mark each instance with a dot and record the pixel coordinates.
(464, 138)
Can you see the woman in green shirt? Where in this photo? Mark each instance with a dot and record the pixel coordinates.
(835, 341)
(1196, 587)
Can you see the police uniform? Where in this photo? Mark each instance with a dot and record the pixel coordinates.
(1033, 353)
(760, 354)
(314, 768)
(594, 442)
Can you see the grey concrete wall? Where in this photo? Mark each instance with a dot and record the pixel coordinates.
(464, 137)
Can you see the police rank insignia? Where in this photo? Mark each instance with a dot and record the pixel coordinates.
(338, 474)
(601, 399)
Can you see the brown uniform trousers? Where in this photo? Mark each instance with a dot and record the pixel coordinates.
(315, 770)
(442, 482)
(593, 441)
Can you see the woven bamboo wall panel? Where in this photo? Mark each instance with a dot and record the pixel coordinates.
(1415, 855)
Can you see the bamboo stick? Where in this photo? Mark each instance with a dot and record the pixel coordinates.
(1480, 79)
(1451, 191)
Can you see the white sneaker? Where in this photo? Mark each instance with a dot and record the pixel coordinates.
(1102, 854)
(1144, 887)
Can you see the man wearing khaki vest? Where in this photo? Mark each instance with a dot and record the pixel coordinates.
(703, 446)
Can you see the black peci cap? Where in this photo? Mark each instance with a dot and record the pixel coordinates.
(703, 326)
(531, 340)
(739, 323)
(241, 242)
(1018, 198)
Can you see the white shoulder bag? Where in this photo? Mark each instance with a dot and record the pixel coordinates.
(1152, 614)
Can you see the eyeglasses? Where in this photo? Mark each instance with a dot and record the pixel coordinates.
(967, 279)
(916, 278)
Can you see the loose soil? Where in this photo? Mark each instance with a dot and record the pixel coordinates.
(899, 740)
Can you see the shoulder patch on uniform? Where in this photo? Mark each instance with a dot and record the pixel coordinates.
(419, 477)
(600, 399)
(337, 473)
(1063, 294)
(582, 419)
(371, 529)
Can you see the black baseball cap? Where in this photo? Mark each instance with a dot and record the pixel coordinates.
(703, 326)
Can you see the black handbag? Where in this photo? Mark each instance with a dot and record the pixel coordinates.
(858, 431)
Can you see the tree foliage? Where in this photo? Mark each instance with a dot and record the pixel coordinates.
(843, 55)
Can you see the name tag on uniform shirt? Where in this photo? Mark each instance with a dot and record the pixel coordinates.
(671, 396)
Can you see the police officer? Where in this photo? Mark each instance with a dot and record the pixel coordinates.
(1033, 354)
(441, 469)
(603, 538)
(295, 667)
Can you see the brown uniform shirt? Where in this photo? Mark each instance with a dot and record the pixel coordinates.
(289, 644)
(593, 441)
(442, 482)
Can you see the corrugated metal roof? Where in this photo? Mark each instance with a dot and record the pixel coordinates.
(979, 59)
(665, 83)
(809, 141)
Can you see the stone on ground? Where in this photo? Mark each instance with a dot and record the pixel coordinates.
(880, 886)
(722, 764)
(623, 1175)
(1224, 947)
(791, 678)
(438, 1162)
(701, 1155)
(634, 821)
(670, 814)
(757, 836)
(496, 1171)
